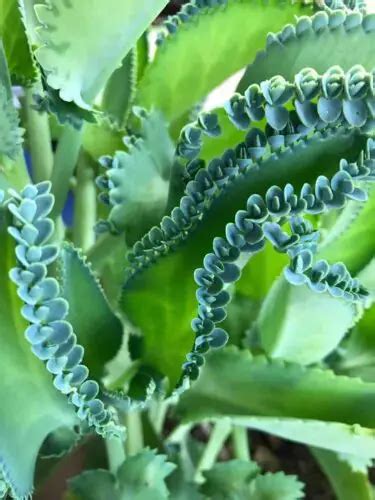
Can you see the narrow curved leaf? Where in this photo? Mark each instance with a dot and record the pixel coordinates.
(97, 328)
(31, 407)
(345, 483)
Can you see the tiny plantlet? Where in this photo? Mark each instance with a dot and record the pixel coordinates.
(187, 291)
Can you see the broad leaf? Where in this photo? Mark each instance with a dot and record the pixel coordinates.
(97, 328)
(313, 43)
(136, 182)
(352, 238)
(299, 325)
(79, 52)
(205, 51)
(341, 438)
(31, 407)
(236, 383)
(166, 289)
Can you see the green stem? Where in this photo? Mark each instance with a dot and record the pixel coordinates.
(85, 205)
(134, 441)
(39, 139)
(240, 442)
(65, 162)
(158, 412)
(115, 453)
(219, 434)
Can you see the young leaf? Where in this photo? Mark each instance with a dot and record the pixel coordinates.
(276, 486)
(79, 52)
(140, 477)
(229, 480)
(97, 328)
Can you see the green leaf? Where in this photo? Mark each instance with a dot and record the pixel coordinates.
(120, 91)
(299, 325)
(31, 407)
(353, 440)
(229, 480)
(59, 443)
(79, 52)
(140, 477)
(97, 328)
(345, 483)
(166, 289)
(276, 486)
(10, 133)
(138, 180)
(260, 273)
(315, 44)
(205, 51)
(353, 238)
(12, 32)
(235, 383)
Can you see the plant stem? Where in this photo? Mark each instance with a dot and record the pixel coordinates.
(115, 453)
(65, 162)
(39, 139)
(219, 434)
(134, 441)
(240, 442)
(158, 412)
(85, 205)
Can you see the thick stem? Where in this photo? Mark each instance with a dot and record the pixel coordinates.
(115, 453)
(240, 442)
(85, 205)
(39, 139)
(65, 162)
(219, 434)
(134, 441)
(158, 412)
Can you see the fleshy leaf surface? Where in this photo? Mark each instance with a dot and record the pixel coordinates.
(97, 328)
(277, 389)
(12, 32)
(299, 325)
(31, 407)
(140, 477)
(79, 52)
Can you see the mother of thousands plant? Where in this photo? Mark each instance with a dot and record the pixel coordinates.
(169, 269)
